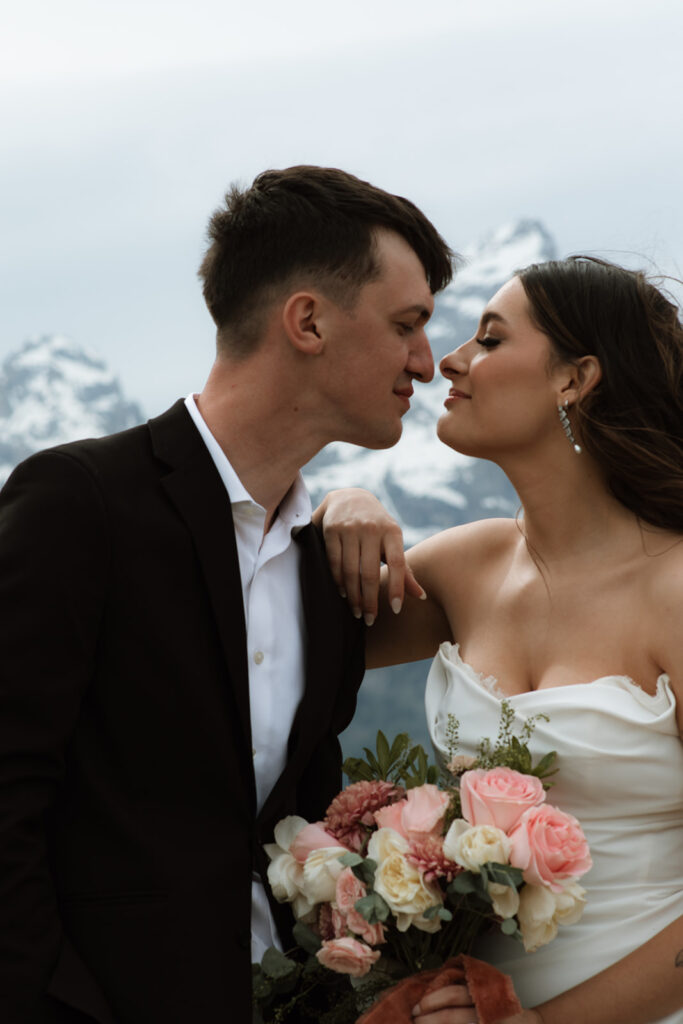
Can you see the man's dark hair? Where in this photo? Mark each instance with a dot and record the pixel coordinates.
(316, 222)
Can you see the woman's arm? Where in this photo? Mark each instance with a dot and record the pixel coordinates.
(644, 987)
(408, 622)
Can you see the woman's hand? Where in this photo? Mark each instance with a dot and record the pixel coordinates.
(359, 535)
(451, 1004)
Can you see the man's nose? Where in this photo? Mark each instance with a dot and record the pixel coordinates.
(421, 361)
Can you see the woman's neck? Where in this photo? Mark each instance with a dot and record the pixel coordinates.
(568, 510)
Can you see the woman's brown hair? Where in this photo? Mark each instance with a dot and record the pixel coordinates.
(632, 421)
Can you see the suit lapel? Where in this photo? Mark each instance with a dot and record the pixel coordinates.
(196, 490)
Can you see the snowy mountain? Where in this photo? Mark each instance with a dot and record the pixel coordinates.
(53, 390)
(424, 484)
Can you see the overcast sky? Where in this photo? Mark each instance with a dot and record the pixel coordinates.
(123, 123)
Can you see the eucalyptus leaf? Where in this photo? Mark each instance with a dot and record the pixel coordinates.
(509, 926)
(306, 938)
(463, 883)
(373, 908)
(276, 965)
(505, 874)
(365, 871)
(350, 859)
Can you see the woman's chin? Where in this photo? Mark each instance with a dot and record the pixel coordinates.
(448, 436)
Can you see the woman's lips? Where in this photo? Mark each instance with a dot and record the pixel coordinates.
(455, 395)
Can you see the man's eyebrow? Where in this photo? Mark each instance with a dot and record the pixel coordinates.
(417, 308)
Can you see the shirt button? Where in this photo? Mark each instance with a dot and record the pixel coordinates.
(258, 657)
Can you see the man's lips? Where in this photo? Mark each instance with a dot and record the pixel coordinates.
(404, 393)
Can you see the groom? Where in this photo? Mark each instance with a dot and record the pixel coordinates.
(176, 663)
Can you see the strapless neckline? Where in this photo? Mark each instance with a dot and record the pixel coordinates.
(492, 686)
(620, 762)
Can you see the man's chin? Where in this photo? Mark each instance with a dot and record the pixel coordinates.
(377, 440)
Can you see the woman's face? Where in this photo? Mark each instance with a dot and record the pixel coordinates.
(503, 396)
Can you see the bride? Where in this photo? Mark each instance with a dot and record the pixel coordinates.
(573, 385)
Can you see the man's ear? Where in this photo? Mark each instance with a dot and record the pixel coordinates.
(582, 377)
(300, 320)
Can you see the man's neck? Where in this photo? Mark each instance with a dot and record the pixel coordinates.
(264, 436)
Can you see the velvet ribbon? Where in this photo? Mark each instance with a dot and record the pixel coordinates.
(492, 992)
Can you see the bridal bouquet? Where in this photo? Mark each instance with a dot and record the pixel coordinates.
(403, 874)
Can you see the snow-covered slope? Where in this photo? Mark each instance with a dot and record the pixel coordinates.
(53, 390)
(424, 484)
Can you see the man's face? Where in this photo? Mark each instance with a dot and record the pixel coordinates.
(375, 351)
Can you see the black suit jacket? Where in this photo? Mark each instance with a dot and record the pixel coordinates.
(127, 799)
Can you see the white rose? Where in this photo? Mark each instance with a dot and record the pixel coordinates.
(470, 846)
(541, 911)
(570, 903)
(322, 868)
(400, 884)
(285, 874)
(505, 899)
(384, 842)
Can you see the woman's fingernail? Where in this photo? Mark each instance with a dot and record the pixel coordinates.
(369, 619)
(396, 605)
(415, 1010)
(342, 592)
(356, 613)
(423, 596)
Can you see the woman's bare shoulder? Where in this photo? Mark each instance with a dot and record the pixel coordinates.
(485, 538)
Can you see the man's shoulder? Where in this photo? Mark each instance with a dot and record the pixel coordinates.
(125, 451)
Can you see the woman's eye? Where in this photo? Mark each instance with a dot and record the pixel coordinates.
(488, 342)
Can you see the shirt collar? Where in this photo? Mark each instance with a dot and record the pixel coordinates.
(295, 508)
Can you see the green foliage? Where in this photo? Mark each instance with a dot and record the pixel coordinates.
(364, 868)
(373, 908)
(306, 938)
(402, 763)
(508, 750)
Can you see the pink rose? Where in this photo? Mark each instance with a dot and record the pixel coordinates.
(422, 811)
(550, 847)
(373, 934)
(349, 890)
(310, 838)
(498, 797)
(391, 817)
(425, 808)
(347, 956)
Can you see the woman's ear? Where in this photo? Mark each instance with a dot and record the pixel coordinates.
(583, 376)
(300, 316)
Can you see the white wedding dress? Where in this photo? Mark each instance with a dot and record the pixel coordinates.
(620, 763)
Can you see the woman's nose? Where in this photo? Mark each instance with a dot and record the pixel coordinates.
(456, 361)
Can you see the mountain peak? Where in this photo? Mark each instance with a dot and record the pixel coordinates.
(53, 390)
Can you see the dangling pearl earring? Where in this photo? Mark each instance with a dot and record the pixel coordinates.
(567, 427)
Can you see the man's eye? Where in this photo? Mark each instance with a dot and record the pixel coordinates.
(406, 328)
(488, 342)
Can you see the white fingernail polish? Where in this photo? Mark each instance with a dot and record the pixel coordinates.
(369, 619)
(396, 605)
(423, 596)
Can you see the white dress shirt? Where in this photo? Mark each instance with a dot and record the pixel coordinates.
(273, 612)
